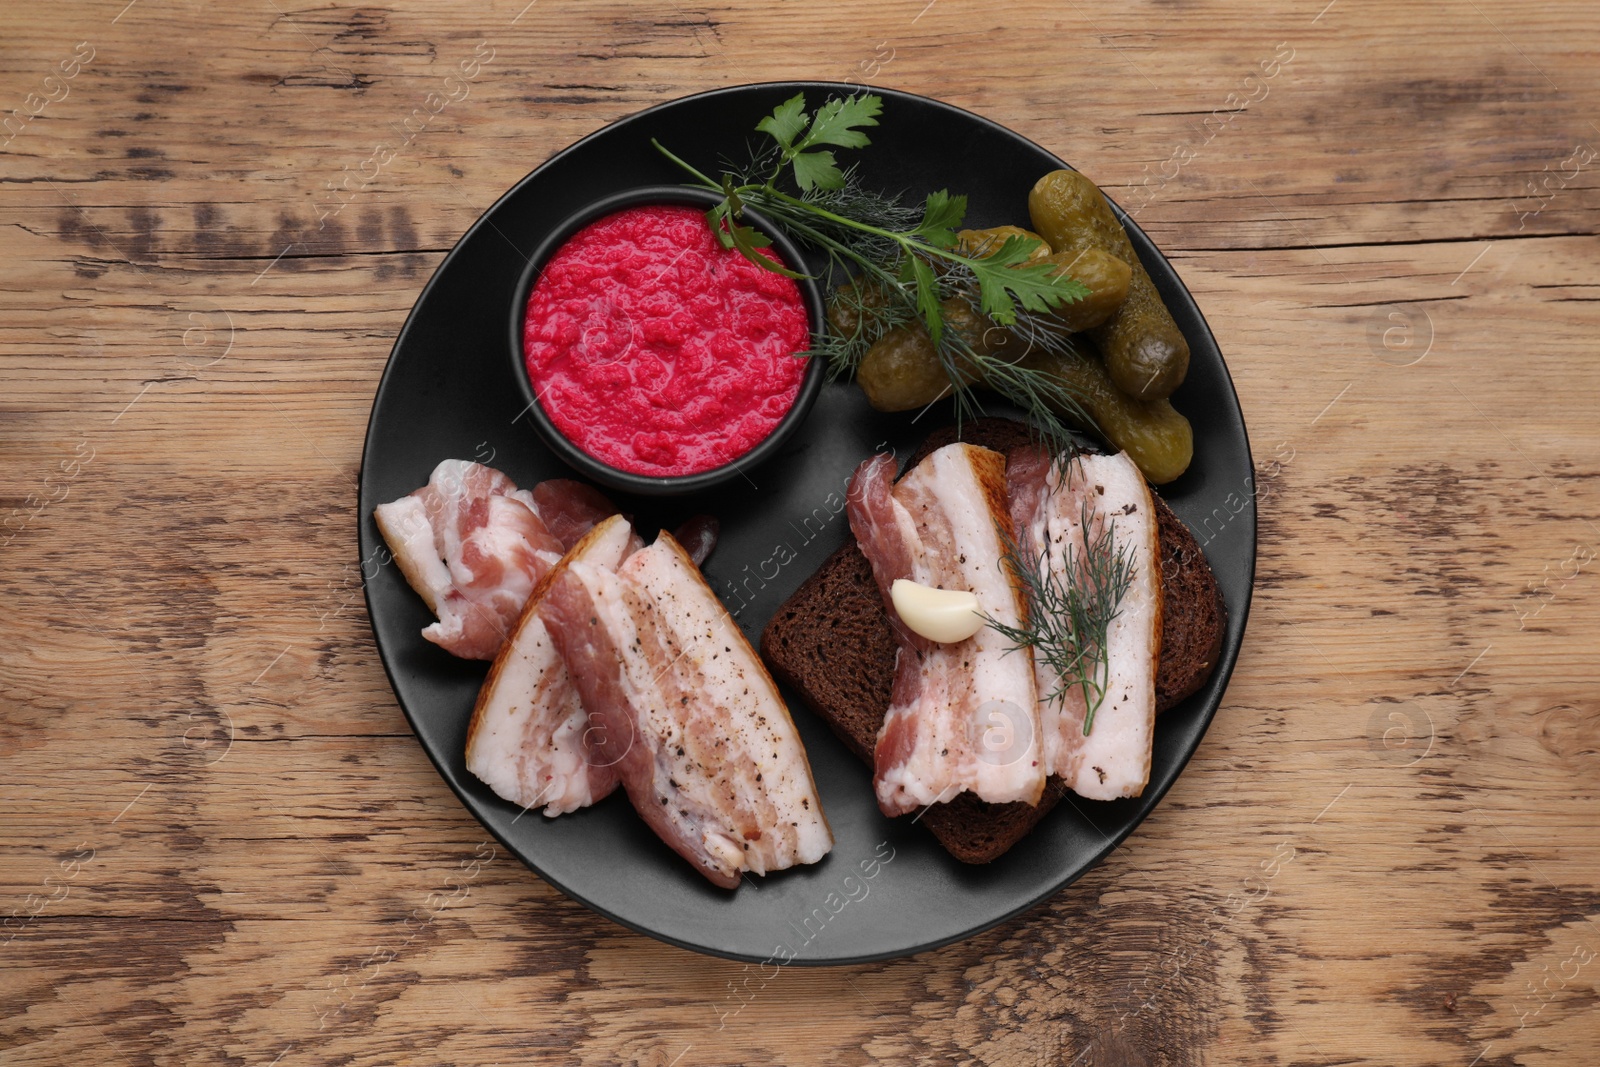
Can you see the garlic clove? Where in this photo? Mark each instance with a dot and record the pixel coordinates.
(942, 615)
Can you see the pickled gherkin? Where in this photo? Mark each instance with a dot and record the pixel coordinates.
(1105, 276)
(1156, 437)
(982, 244)
(843, 308)
(1144, 351)
(902, 372)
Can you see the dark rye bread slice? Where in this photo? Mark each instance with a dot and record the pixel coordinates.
(832, 644)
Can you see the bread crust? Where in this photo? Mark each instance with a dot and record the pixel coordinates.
(830, 642)
(492, 679)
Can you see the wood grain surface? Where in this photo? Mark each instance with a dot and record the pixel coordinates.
(219, 841)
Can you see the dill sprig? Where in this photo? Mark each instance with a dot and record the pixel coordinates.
(905, 261)
(973, 352)
(1070, 609)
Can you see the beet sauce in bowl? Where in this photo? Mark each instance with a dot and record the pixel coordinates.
(655, 360)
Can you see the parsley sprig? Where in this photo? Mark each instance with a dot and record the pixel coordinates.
(908, 259)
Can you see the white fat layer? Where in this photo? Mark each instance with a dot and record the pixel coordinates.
(529, 743)
(1114, 759)
(405, 526)
(502, 535)
(449, 481)
(762, 740)
(527, 747)
(979, 732)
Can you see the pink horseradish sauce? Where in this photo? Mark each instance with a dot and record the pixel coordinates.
(656, 350)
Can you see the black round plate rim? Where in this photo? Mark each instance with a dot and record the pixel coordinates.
(596, 468)
(1227, 657)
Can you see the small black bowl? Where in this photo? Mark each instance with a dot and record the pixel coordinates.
(649, 484)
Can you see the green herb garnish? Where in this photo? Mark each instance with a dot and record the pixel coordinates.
(1070, 611)
(904, 259)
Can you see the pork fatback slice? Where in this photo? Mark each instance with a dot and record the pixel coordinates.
(473, 546)
(528, 740)
(963, 716)
(687, 713)
(1049, 504)
(570, 509)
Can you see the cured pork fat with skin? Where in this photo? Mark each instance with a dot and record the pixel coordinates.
(529, 737)
(1048, 504)
(473, 546)
(686, 713)
(570, 509)
(963, 716)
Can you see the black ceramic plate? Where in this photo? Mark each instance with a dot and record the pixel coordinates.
(447, 392)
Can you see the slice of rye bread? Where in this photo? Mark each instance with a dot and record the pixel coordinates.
(832, 644)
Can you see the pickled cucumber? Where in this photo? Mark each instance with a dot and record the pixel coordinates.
(901, 372)
(985, 243)
(1156, 437)
(1105, 276)
(842, 311)
(1144, 350)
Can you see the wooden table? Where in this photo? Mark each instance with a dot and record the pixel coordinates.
(222, 844)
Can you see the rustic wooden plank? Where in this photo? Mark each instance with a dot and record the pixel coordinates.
(222, 843)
